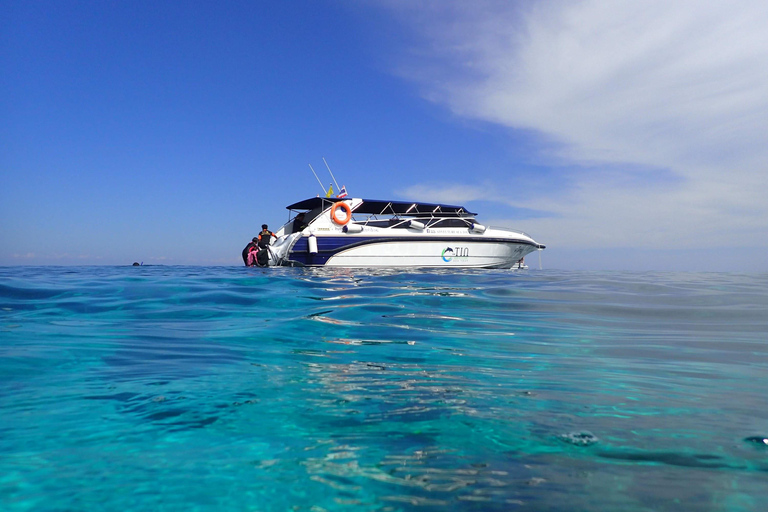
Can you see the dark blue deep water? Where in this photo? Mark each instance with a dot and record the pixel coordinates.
(207, 389)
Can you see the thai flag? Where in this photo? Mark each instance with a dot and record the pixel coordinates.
(342, 192)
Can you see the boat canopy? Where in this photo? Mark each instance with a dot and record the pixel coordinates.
(379, 207)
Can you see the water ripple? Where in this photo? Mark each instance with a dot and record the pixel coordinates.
(338, 389)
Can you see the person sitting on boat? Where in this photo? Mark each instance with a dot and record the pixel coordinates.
(298, 223)
(251, 247)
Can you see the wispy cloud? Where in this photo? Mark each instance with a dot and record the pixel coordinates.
(674, 91)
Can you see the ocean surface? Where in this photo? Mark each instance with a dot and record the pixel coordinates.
(217, 389)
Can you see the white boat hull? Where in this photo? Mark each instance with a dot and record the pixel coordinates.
(466, 254)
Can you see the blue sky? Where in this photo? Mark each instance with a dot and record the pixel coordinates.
(624, 135)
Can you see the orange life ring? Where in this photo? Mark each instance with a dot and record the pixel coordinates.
(344, 206)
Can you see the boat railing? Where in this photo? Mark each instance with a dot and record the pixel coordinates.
(389, 221)
(394, 222)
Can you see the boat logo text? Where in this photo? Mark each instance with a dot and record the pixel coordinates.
(459, 253)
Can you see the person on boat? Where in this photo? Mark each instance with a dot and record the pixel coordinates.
(264, 237)
(257, 257)
(298, 223)
(262, 258)
(251, 247)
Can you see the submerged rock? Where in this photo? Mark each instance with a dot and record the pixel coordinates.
(579, 438)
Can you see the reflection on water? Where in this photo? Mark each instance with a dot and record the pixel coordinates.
(170, 388)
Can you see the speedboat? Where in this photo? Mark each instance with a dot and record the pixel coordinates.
(352, 232)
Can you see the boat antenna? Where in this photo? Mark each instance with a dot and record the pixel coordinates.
(332, 176)
(318, 179)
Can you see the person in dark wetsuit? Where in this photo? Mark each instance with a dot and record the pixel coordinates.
(252, 246)
(264, 240)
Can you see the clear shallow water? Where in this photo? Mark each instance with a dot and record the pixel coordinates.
(201, 389)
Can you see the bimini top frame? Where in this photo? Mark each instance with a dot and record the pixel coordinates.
(378, 207)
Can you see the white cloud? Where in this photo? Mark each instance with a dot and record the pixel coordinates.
(676, 86)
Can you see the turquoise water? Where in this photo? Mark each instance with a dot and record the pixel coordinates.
(202, 389)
